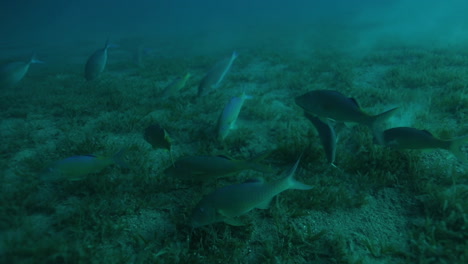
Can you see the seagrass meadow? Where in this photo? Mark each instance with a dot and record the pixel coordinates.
(378, 205)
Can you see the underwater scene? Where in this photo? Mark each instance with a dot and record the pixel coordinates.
(241, 131)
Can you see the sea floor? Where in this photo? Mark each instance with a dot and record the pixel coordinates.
(379, 205)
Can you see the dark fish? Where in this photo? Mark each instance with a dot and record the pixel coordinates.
(327, 136)
(412, 138)
(334, 105)
(158, 137)
(174, 87)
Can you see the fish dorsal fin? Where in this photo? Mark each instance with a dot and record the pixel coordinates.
(91, 155)
(354, 101)
(255, 180)
(224, 157)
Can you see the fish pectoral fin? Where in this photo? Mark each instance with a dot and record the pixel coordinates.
(229, 219)
(234, 222)
(265, 204)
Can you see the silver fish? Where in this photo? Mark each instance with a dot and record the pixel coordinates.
(228, 117)
(77, 167)
(13, 72)
(215, 76)
(224, 204)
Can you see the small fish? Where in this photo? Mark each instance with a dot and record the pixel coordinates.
(327, 137)
(13, 72)
(77, 167)
(334, 105)
(96, 62)
(412, 138)
(206, 168)
(157, 136)
(228, 117)
(216, 75)
(175, 86)
(224, 204)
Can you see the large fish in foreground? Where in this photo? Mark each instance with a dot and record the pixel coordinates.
(13, 72)
(96, 63)
(336, 106)
(412, 138)
(216, 75)
(225, 204)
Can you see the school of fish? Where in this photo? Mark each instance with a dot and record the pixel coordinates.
(325, 109)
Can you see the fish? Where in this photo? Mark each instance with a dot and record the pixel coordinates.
(206, 168)
(227, 203)
(228, 117)
(97, 62)
(175, 86)
(336, 106)
(412, 138)
(13, 72)
(327, 136)
(215, 76)
(157, 136)
(78, 167)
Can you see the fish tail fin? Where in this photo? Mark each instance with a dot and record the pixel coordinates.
(456, 148)
(119, 158)
(297, 185)
(293, 183)
(110, 45)
(376, 124)
(245, 96)
(34, 59)
(235, 54)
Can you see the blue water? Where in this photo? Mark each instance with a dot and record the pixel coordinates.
(38, 24)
